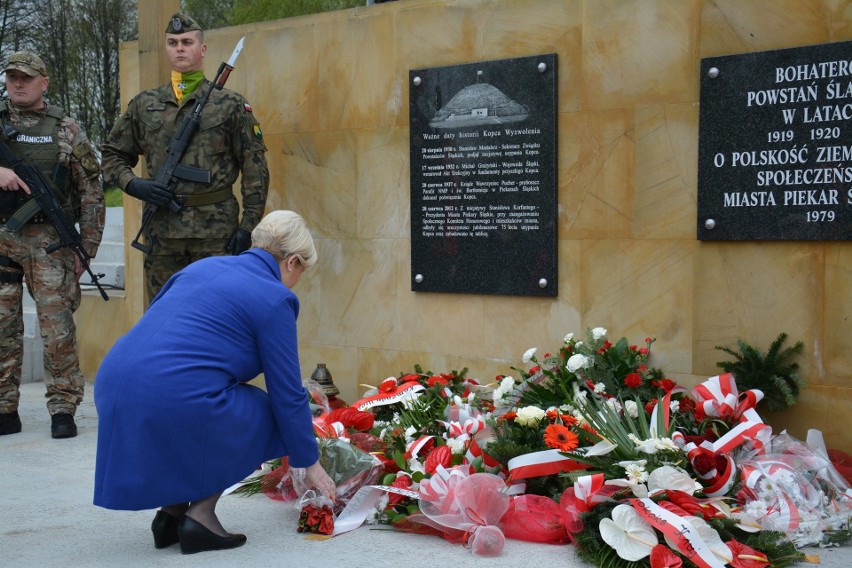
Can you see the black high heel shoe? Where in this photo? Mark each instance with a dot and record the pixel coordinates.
(195, 537)
(165, 529)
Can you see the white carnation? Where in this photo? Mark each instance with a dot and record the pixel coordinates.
(529, 354)
(631, 408)
(577, 362)
(598, 333)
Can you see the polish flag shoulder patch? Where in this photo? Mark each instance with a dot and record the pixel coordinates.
(247, 107)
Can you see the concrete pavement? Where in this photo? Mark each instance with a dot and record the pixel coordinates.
(47, 519)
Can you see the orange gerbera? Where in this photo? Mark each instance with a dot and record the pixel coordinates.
(560, 438)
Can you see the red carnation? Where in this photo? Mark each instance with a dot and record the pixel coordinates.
(633, 380)
(703, 463)
(667, 384)
(644, 351)
(649, 406)
(534, 370)
(686, 405)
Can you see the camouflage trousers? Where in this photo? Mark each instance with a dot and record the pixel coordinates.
(169, 256)
(52, 283)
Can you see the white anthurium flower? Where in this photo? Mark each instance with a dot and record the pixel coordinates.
(529, 354)
(568, 338)
(628, 533)
(577, 362)
(529, 415)
(409, 433)
(601, 448)
(746, 522)
(598, 333)
(669, 477)
(414, 466)
(710, 537)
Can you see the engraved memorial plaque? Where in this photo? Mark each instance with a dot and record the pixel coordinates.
(775, 145)
(483, 177)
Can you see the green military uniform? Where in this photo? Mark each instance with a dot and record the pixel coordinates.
(228, 143)
(56, 145)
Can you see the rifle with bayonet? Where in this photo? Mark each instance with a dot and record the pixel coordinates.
(45, 201)
(172, 170)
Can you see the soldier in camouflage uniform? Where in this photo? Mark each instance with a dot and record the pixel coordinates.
(55, 144)
(228, 143)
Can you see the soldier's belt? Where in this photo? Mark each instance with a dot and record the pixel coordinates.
(197, 200)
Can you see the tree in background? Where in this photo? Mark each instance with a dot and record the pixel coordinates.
(212, 14)
(78, 41)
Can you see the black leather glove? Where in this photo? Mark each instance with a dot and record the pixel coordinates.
(150, 191)
(240, 241)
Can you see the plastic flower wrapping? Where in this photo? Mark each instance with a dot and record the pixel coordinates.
(588, 445)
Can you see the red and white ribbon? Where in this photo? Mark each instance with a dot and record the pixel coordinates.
(679, 531)
(537, 464)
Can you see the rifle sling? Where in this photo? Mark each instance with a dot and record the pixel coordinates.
(24, 213)
(200, 199)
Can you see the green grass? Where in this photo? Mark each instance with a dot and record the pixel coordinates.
(114, 197)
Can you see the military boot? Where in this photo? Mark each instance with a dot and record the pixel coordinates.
(62, 425)
(10, 423)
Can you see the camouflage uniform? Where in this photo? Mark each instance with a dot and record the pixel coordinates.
(228, 142)
(50, 278)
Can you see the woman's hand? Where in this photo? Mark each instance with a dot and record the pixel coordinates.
(317, 477)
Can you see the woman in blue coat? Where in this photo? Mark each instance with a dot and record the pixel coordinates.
(177, 422)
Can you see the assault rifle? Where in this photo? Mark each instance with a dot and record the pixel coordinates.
(45, 201)
(172, 170)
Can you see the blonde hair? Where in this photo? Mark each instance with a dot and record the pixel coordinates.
(284, 233)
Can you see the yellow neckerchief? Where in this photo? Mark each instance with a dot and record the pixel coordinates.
(184, 83)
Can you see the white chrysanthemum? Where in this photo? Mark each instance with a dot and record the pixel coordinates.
(674, 405)
(665, 444)
(756, 509)
(577, 362)
(631, 408)
(568, 338)
(600, 388)
(529, 354)
(376, 515)
(598, 333)
(529, 415)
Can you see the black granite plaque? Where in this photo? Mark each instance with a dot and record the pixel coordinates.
(775, 145)
(483, 177)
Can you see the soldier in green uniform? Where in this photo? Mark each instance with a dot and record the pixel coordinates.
(53, 142)
(228, 143)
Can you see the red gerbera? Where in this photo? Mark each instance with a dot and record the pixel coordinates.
(387, 385)
(410, 378)
(436, 380)
(560, 438)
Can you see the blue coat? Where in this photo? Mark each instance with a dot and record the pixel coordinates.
(177, 422)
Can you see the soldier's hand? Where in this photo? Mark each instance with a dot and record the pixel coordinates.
(240, 241)
(9, 181)
(150, 191)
